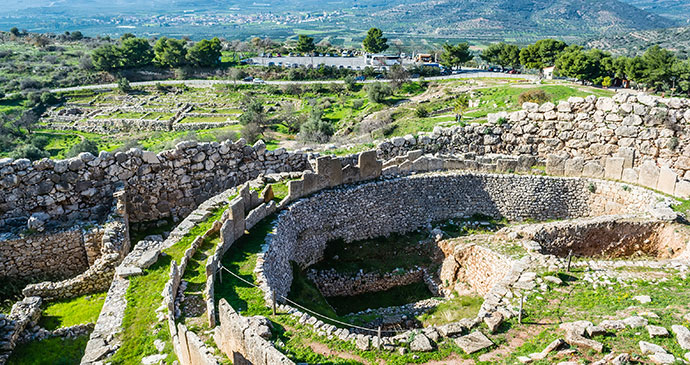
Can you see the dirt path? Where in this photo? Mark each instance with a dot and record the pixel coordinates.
(322, 349)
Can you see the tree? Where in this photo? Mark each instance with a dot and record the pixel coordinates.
(169, 52)
(255, 114)
(541, 54)
(14, 31)
(578, 65)
(378, 92)
(123, 85)
(374, 41)
(455, 55)
(135, 52)
(606, 82)
(76, 35)
(398, 76)
(461, 103)
(658, 71)
(86, 145)
(315, 129)
(205, 53)
(502, 54)
(106, 58)
(237, 74)
(635, 69)
(305, 44)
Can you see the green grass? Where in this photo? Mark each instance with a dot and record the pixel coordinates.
(280, 190)
(304, 292)
(350, 150)
(52, 351)
(80, 310)
(465, 306)
(204, 119)
(393, 297)
(144, 296)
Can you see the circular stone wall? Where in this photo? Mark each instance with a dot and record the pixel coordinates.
(404, 204)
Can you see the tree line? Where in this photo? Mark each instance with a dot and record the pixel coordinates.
(133, 52)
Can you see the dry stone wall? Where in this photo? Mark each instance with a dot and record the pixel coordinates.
(404, 204)
(171, 183)
(638, 128)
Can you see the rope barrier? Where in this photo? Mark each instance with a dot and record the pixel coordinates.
(323, 316)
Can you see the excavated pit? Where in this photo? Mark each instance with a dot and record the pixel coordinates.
(613, 238)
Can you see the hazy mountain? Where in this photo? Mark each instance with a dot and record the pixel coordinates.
(675, 9)
(636, 42)
(557, 17)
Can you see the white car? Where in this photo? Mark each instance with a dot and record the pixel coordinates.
(259, 81)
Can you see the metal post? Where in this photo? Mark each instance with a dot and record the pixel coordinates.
(220, 273)
(274, 302)
(522, 301)
(379, 332)
(570, 257)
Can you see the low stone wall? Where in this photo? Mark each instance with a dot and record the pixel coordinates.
(403, 204)
(114, 247)
(171, 183)
(59, 254)
(331, 283)
(24, 314)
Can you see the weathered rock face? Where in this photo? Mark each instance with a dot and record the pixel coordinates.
(170, 183)
(630, 126)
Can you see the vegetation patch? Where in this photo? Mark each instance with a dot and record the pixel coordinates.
(65, 313)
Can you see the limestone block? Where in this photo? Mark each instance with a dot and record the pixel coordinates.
(667, 180)
(525, 163)
(310, 183)
(593, 169)
(453, 164)
(682, 189)
(331, 169)
(628, 155)
(473, 342)
(237, 216)
(420, 165)
(649, 175)
(631, 175)
(435, 164)
(351, 174)
(574, 166)
(555, 165)
(295, 189)
(614, 168)
(506, 165)
(369, 166)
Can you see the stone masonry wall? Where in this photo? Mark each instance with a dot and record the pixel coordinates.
(60, 254)
(403, 204)
(171, 183)
(638, 128)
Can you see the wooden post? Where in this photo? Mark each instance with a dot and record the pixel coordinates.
(570, 257)
(220, 273)
(274, 302)
(522, 301)
(379, 333)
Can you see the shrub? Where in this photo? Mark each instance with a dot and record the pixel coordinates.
(222, 136)
(501, 121)
(378, 92)
(316, 130)
(357, 104)
(350, 83)
(123, 85)
(29, 151)
(533, 96)
(421, 111)
(251, 132)
(40, 142)
(673, 143)
(86, 145)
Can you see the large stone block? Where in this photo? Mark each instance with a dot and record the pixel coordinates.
(237, 216)
(574, 166)
(351, 174)
(682, 189)
(593, 169)
(628, 155)
(614, 168)
(295, 189)
(631, 175)
(649, 175)
(667, 180)
(506, 165)
(369, 166)
(555, 165)
(331, 169)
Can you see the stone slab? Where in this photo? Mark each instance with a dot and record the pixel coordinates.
(614, 168)
(667, 180)
(475, 341)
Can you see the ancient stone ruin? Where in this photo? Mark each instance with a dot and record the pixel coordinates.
(589, 178)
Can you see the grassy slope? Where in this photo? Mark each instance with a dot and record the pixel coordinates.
(53, 351)
(81, 310)
(144, 296)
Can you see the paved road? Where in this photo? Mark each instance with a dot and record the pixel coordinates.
(211, 83)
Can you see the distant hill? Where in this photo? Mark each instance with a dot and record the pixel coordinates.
(636, 42)
(542, 17)
(674, 9)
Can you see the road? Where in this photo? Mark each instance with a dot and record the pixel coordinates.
(211, 83)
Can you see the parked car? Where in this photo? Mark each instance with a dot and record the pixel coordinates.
(415, 76)
(514, 72)
(360, 78)
(259, 81)
(378, 77)
(248, 79)
(446, 72)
